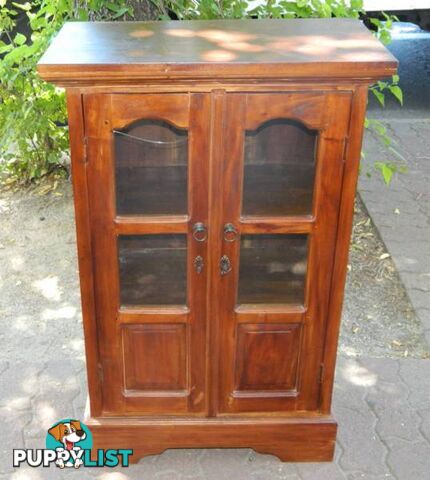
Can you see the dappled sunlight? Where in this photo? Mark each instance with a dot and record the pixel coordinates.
(360, 57)
(348, 351)
(358, 375)
(315, 46)
(181, 32)
(141, 33)
(220, 45)
(215, 35)
(22, 323)
(49, 288)
(409, 261)
(77, 344)
(30, 384)
(26, 473)
(16, 262)
(16, 404)
(113, 476)
(218, 56)
(4, 205)
(136, 53)
(243, 47)
(62, 312)
(45, 415)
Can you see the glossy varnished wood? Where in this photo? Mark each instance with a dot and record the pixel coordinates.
(209, 371)
(134, 336)
(84, 246)
(329, 115)
(127, 52)
(303, 438)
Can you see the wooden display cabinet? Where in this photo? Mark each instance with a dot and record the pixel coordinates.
(214, 169)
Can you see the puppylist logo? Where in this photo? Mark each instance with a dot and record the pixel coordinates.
(68, 445)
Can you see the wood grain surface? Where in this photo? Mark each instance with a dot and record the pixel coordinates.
(123, 52)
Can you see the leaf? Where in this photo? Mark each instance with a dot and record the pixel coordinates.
(20, 39)
(6, 48)
(387, 170)
(120, 12)
(397, 92)
(357, 4)
(23, 6)
(384, 256)
(385, 36)
(82, 14)
(380, 96)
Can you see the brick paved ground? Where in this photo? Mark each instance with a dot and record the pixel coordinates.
(382, 405)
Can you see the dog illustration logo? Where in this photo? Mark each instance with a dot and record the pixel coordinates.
(69, 443)
(69, 438)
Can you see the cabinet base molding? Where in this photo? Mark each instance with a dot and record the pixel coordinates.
(297, 439)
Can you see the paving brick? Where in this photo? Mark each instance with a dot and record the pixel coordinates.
(409, 460)
(13, 426)
(366, 476)
(425, 422)
(360, 443)
(321, 471)
(417, 280)
(241, 464)
(18, 384)
(427, 336)
(416, 374)
(419, 298)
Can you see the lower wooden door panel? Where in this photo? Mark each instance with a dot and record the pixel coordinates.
(267, 359)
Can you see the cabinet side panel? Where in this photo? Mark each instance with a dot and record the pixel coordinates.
(349, 184)
(83, 236)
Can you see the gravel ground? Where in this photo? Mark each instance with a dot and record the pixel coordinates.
(40, 307)
(378, 317)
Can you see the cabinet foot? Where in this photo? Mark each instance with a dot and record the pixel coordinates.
(290, 439)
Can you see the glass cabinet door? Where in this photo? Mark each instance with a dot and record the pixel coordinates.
(150, 242)
(278, 235)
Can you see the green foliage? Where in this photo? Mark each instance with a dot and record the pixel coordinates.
(210, 9)
(34, 141)
(387, 169)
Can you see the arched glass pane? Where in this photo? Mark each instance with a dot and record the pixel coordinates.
(151, 159)
(279, 169)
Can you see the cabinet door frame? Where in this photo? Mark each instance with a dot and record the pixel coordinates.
(103, 113)
(328, 113)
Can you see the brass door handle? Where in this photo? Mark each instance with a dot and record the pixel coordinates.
(230, 232)
(225, 265)
(198, 264)
(200, 232)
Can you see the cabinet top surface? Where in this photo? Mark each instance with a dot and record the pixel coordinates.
(101, 52)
